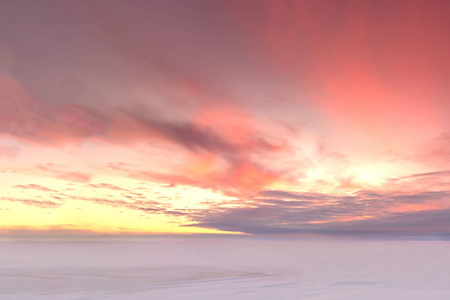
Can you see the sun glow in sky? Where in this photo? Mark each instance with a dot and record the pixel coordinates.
(243, 117)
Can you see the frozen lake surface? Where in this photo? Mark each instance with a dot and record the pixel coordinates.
(224, 268)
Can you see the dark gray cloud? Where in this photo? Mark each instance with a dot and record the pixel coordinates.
(431, 222)
(189, 135)
(364, 212)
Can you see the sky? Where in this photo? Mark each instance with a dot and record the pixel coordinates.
(225, 117)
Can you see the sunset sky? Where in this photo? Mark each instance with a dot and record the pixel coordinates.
(243, 117)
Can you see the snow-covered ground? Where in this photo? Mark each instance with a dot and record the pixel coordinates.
(225, 268)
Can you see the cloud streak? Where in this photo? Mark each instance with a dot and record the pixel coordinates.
(365, 212)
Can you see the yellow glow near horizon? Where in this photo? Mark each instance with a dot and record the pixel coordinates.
(79, 205)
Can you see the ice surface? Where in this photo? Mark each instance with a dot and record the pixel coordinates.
(225, 268)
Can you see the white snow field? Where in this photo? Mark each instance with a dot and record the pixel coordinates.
(224, 268)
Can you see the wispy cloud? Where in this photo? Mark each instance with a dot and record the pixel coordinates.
(33, 202)
(396, 212)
